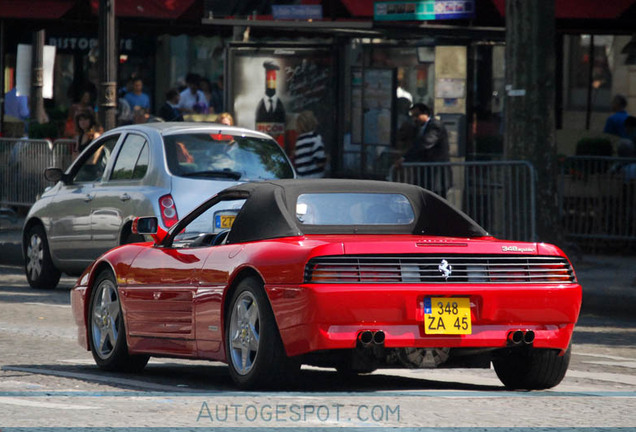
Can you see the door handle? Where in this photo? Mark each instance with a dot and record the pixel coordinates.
(88, 198)
(124, 197)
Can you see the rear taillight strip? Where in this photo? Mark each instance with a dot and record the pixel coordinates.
(410, 269)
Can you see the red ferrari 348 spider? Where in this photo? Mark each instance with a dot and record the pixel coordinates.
(355, 275)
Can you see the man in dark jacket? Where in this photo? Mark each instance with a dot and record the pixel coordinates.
(169, 111)
(431, 140)
(430, 144)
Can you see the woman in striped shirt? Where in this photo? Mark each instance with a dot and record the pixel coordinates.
(309, 155)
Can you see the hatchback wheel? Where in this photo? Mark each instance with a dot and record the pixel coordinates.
(38, 266)
(107, 330)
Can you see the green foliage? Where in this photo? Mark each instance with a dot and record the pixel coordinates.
(53, 129)
(42, 131)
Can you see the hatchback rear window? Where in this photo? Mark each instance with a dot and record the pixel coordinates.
(354, 209)
(204, 155)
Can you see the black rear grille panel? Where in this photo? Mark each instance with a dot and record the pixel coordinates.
(439, 269)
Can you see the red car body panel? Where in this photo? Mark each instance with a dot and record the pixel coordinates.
(173, 299)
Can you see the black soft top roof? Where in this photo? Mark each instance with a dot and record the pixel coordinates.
(270, 210)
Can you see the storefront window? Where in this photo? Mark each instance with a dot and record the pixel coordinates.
(385, 82)
(597, 61)
(486, 131)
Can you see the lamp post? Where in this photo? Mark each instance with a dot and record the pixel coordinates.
(107, 65)
(37, 77)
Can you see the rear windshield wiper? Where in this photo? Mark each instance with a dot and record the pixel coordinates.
(235, 175)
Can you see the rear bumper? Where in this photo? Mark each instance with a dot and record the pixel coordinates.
(314, 317)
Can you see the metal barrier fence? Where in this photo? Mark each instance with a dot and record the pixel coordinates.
(596, 195)
(63, 152)
(598, 198)
(22, 165)
(499, 195)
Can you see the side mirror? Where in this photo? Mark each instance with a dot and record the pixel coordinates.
(145, 225)
(54, 174)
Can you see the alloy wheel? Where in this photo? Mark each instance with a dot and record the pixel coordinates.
(244, 333)
(35, 256)
(104, 319)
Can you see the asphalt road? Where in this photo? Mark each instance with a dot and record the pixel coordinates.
(47, 380)
(10, 253)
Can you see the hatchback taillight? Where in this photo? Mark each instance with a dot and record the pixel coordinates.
(168, 211)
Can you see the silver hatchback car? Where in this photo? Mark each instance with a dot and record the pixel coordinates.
(154, 169)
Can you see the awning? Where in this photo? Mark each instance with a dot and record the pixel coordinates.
(582, 9)
(35, 9)
(359, 8)
(565, 9)
(153, 9)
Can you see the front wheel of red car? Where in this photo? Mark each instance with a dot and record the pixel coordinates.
(107, 331)
(535, 369)
(254, 349)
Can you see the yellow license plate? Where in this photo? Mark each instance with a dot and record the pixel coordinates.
(224, 221)
(447, 315)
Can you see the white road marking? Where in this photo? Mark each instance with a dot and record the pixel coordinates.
(48, 304)
(108, 380)
(78, 361)
(603, 376)
(37, 404)
(627, 364)
(603, 356)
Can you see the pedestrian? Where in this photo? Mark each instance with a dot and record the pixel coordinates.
(431, 140)
(630, 128)
(127, 87)
(627, 169)
(124, 112)
(615, 123)
(429, 145)
(16, 105)
(87, 130)
(137, 98)
(309, 155)
(407, 128)
(169, 111)
(206, 88)
(225, 118)
(83, 103)
(216, 96)
(192, 98)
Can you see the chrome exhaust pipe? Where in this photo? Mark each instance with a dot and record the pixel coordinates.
(378, 337)
(365, 337)
(528, 337)
(515, 337)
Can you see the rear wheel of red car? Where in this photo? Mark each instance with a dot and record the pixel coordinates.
(107, 331)
(535, 369)
(254, 349)
(38, 266)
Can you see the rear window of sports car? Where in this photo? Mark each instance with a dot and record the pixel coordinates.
(354, 209)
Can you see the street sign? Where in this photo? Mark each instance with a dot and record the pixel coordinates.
(423, 10)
